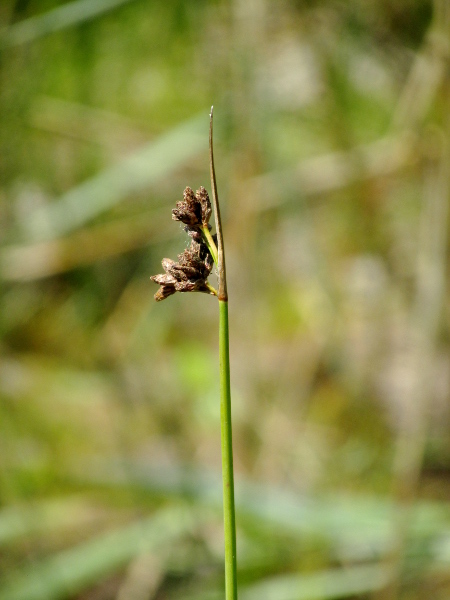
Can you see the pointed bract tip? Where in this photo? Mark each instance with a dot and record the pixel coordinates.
(211, 113)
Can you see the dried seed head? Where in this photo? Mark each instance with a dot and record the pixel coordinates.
(194, 265)
(189, 274)
(189, 210)
(192, 261)
(194, 210)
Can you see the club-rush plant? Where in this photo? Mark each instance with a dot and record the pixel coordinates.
(190, 274)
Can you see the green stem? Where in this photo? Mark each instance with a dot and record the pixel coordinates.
(210, 243)
(227, 455)
(225, 394)
(212, 290)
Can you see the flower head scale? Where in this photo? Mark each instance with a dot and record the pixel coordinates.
(203, 197)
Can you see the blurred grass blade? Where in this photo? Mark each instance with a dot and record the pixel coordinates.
(71, 571)
(59, 18)
(360, 524)
(326, 585)
(329, 584)
(152, 163)
(83, 247)
(42, 518)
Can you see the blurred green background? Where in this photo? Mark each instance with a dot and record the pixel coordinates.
(332, 154)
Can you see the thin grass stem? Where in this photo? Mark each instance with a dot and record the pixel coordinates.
(225, 395)
(227, 456)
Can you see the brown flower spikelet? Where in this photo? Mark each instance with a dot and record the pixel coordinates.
(194, 265)
(194, 210)
(190, 274)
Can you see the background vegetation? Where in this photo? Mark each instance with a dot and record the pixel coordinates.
(332, 152)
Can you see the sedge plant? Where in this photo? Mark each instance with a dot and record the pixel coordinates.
(190, 274)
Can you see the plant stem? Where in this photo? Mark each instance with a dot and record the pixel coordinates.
(212, 290)
(227, 455)
(210, 243)
(225, 394)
